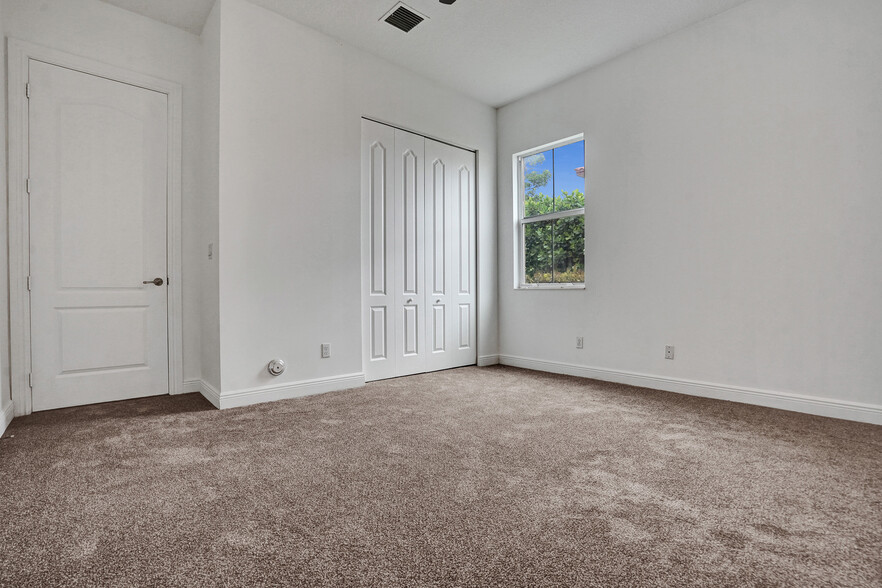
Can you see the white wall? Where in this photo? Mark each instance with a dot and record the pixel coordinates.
(208, 218)
(291, 102)
(734, 209)
(104, 33)
(6, 408)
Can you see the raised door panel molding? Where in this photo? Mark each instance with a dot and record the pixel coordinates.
(465, 230)
(379, 332)
(410, 222)
(377, 186)
(438, 328)
(436, 225)
(411, 330)
(465, 326)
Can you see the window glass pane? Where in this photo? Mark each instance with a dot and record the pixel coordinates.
(538, 184)
(569, 250)
(568, 176)
(538, 244)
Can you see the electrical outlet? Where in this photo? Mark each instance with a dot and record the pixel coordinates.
(580, 342)
(326, 350)
(669, 352)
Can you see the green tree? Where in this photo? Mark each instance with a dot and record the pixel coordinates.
(554, 250)
(533, 180)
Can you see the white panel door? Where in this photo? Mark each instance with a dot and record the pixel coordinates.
(98, 222)
(450, 243)
(438, 253)
(409, 280)
(378, 249)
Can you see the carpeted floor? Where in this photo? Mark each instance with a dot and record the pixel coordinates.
(470, 477)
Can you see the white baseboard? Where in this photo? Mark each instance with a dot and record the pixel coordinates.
(210, 393)
(189, 386)
(485, 360)
(248, 396)
(6, 417)
(828, 407)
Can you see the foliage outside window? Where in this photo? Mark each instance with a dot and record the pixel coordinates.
(551, 215)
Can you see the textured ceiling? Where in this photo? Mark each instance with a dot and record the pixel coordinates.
(493, 50)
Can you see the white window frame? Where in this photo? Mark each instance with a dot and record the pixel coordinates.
(520, 222)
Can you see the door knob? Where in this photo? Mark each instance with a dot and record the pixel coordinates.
(155, 281)
(438, 301)
(409, 300)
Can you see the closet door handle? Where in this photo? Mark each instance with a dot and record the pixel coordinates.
(409, 300)
(438, 301)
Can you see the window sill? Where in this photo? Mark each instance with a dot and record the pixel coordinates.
(550, 287)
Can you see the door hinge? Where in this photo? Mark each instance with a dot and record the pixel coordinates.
(30, 380)
(29, 283)
(27, 90)
(28, 185)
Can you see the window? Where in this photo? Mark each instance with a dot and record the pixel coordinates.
(550, 215)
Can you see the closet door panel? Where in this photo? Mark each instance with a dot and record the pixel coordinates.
(464, 198)
(410, 253)
(450, 238)
(438, 248)
(378, 185)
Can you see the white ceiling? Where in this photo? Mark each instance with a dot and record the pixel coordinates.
(493, 50)
(189, 15)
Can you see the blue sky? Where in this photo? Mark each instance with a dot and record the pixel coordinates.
(565, 160)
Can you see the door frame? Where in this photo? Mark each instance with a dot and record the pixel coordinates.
(19, 53)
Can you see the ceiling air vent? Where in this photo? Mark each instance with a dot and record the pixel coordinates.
(403, 17)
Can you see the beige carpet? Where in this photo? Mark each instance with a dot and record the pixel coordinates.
(470, 477)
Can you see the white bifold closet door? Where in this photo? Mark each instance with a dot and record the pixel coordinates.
(418, 253)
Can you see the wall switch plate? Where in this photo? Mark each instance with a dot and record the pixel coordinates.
(326, 350)
(669, 352)
(580, 342)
